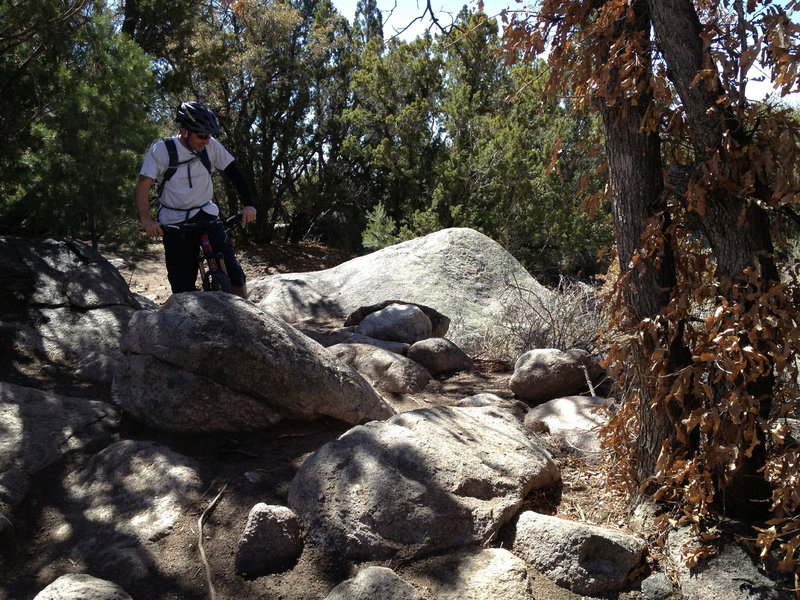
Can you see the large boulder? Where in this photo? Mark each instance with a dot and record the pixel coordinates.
(40, 427)
(421, 482)
(459, 272)
(214, 362)
(62, 304)
(731, 573)
(123, 500)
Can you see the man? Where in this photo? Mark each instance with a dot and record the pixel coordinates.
(186, 195)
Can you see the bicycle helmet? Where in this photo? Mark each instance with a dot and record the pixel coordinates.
(197, 118)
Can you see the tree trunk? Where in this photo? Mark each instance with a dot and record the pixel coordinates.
(634, 164)
(634, 160)
(736, 227)
(131, 17)
(637, 191)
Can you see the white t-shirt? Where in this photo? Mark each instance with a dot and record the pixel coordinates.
(190, 188)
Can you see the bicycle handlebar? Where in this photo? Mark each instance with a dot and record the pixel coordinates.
(224, 220)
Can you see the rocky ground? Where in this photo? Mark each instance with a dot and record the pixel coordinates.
(242, 470)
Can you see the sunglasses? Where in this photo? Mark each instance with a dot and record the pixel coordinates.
(203, 136)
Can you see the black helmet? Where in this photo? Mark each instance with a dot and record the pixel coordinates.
(198, 118)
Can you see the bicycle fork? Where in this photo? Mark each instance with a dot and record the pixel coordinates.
(208, 259)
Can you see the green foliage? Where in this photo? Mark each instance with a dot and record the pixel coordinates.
(277, 73)
(319, 113)
(535, 171)
(395, 131)
(420, 222)
(35, 36)
(76, 180)
(164, 29)
(380, 229)
(518, 167)
(368, 21)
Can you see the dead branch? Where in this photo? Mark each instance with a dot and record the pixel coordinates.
(212, 593)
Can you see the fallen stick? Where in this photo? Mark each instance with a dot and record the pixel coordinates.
(212, 593)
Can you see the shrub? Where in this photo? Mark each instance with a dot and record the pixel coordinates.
(571, 317)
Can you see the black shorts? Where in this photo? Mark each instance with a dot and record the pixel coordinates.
(182, 247)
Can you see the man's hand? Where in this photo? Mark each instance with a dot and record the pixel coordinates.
(152, 228)
(142, 202)
(248, 214)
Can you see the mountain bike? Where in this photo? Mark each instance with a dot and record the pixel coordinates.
(213, 274)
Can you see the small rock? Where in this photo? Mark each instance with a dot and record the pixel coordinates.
(271, 541)
(584, 558)
(118, 263)
(386, 371)
(572, 424)
(374, 583)
(472, 574)
(398, 323)
(657, 587)
(76, 586)
(543, 374)
(254, 477)
(440, 355)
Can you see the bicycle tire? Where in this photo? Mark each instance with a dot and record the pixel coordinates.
(217, 281)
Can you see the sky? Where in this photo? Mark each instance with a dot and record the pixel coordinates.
(397, 14)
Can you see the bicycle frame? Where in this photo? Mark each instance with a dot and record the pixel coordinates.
(211, 265)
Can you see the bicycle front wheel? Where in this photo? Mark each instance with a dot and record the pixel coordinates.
(217, 281)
